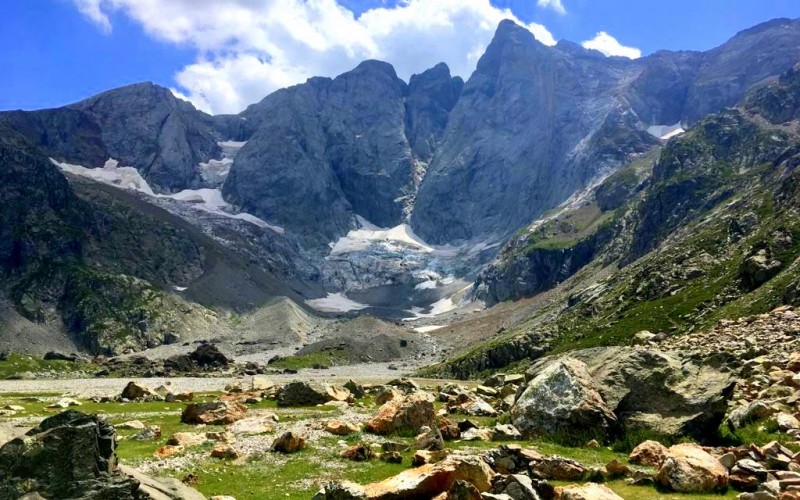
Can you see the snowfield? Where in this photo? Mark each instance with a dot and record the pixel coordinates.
(206, 200)
(666, 132)
(335, 302)
(396, 238)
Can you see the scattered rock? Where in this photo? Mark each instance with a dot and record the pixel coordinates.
(687, 468)
(213, 413)
(358, 453)
(289, 442)
(341, 428)
(588, 491)
(407, 414)
(650, 453)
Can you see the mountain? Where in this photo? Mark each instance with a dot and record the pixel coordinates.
(536, 124)
(702, 229)
(547, 164)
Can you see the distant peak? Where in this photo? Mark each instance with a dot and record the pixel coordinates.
(373, 65)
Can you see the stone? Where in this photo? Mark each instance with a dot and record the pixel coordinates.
(394, 446)
(213, 413)
(167, 451)
(261, 384)
(311, 394)
(139, 392)
(355, 389)
(187, 439)
(422, 457)
(289, 442)
(64, 403)
(687, 468)
(477, 434)
(515, 486)
(462, 490)
(560, 400)
(649, 452)
(557, 468)
(341, 428)
(358, 453)
(386, 393)
(642, 338)
(147, 434)
(750, 412)
(392, 457)
(410, 413)
(588, 491)
(505, 432)
(131, 424)
(224, 451)
(429, 439)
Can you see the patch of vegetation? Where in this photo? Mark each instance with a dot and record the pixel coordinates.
(17, 364)
(319, 359)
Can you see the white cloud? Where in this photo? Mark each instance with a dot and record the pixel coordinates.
(556, 5)
(249, 48)
(609, 46)
(91, 9)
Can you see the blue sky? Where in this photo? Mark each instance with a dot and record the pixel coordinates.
(224, 54)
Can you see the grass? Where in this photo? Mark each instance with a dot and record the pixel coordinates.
(17, 364)
(311, 360)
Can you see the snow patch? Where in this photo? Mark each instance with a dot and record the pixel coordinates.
(398, 237)
(110, 173)
(208, 200)
(426, 285)
(439, 307)
(429, 328)
(335, 302)
(665, 132)
(180, 288)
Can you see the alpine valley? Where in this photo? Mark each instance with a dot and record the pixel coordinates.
(611, 245)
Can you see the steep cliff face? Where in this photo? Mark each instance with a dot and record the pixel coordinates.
(535, 124)
(327, 149)
(142, 125)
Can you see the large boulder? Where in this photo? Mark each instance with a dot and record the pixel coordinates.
(311, 394)
(649, 452)
(688, 468)
(588, 491)
(561, 400)
(139, 392)
(656, 390)
(72, 456)
(213, 413)
(410, 413)
(425, 481)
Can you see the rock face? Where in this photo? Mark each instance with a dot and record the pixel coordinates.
(562, 399)
(355, 145)
(687, 468)
(310, 394)
(575, 114)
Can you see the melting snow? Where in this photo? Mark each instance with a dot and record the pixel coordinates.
(335, 302)
(207, 200)
(180, 288)
(429, 328)
(110, 173)
(665, 132)
(439, 307)
(401, 236)
(426, 285)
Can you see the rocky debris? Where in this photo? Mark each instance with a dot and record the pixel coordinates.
(139, 392)
(557, 468)
(168, 450)
(187, 439)
(649, 452)
(136, 425)
(147, 434)
(358, 453)
(341, 428)
(37, 463)
(460, 490)
(289, 442)
(355, 389)
(505, 432)
(562, 397)
(410, 413)
(64, 403)
(311, 394)
(588, 491)
(213, 413)
(161, 488)
(392, 457)
(425, 481)
(386, 393)
(253, 425)
(687, 468)
(60, 356)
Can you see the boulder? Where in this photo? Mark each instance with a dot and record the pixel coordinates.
(558, 468)
(187, 439)
(561, 400)
(429, 438)
(341, 428)
(588, 491)
(649, 452)
(224, 451)
(358, 453)
(213, 413)
(139, 392)
(161, 488)
(688, 468)
(409, 413)
(656, 390)
(310, 394)
(289, 442)
(505, 432)
(425, 481)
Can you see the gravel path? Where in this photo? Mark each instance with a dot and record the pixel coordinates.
(363, 374)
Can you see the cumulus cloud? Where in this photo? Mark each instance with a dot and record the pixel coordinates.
(609, 46)
(249, 48)
(556, 5)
